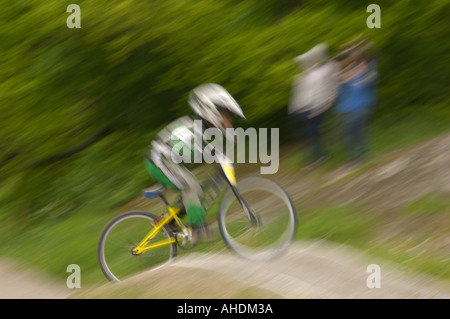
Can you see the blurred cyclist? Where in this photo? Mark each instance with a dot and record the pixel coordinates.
(213, 105)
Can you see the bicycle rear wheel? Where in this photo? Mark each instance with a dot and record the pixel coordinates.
(275, 215)
(124, 233)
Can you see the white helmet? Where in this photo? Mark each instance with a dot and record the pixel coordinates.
(207, 99)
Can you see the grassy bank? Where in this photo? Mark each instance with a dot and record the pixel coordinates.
(55, 243)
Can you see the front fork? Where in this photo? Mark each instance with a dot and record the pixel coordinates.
(251, 216)
(228, 172)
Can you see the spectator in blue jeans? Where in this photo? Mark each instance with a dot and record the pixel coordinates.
(356, 100)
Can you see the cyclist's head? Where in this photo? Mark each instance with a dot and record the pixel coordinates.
(213, 103)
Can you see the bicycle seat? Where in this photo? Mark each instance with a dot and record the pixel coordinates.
(154, 191)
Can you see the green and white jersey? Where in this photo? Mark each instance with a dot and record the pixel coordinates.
(178, 137)
(181, 142)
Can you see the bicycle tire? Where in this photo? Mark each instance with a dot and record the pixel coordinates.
(258, 242)
(116, 260)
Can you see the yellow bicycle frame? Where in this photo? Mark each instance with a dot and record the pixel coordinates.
(172, 212)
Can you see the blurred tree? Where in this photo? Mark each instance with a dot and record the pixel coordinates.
(79, 106)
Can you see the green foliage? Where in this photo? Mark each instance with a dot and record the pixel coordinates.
(80, 106)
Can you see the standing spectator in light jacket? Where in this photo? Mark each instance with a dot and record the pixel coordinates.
(314, 91)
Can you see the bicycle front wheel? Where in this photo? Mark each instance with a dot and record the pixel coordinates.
(273, 211)
(121, 235)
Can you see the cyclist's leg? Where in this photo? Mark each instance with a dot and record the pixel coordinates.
(177, 177)
(157, 173)
(196, 213)
(192, 196)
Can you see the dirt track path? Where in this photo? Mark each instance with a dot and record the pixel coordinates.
(19, 282)
(308, 270)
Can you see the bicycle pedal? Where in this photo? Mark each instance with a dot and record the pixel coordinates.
(184, 240)
(179, 236)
